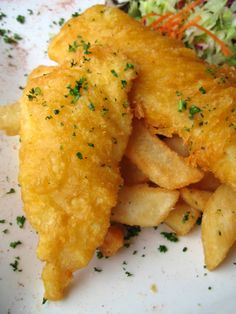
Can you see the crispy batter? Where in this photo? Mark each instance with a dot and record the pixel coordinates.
(166, 67)
(75, 124)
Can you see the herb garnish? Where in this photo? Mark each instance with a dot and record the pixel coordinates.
(132, 231)
(186, 217)
(91, 107)
(20, 220)
(128, 274)
(90, 144)
(61, 21)
(171, 236)
(99, 254)
(97, 269)
(129, 66)
(2, 221)
(193, 110)
(113, 72)
(163, 249)
(202, 90)
(182, 105)
(185, 249)
(73, 47)
(33, 93)
(79, 155)
(44, 300)
(75, 91)
(11, 191)
(15, 244)
(15, 265)
(123, 83)
(20, 19)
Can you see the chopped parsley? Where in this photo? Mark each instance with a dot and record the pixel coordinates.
(2, 221)
(15, 244)
(61, 21)
(33, 93)
(209, 288)
(79, 155)
(123, 83)
(113, 72)
(73, 47)
(11, 191)
(75, 14)
(2, 15)
(56, 111)
(202, 90)
(90, 144)
(20, 19)
(163, 249)
(129, 66)
(171, 236)
(30, 11)
(44, 300)
(20, 220)
(193, 110)
(97, 269)
(73, 63)
(128, 274)
(186, 217)
(182, 105)
(91, 107)
(5, 231)
(15, 264)
(185, 249)
(75, 91)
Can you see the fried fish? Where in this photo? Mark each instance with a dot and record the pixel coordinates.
(75, 124)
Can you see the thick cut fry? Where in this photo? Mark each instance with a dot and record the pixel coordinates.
(175, 92)
(10, 118)
(219, 226)
(195, 198)
(74, 131)
(113, 241)
(131, 174)
(182, 218)
(162, 165)
(143, 205)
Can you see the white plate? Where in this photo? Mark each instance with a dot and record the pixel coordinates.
(180, 277)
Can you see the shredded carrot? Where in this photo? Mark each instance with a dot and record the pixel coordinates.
(186, 26)
(159, 20)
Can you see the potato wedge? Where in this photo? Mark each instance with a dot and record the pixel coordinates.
(143, 205)
(113, 241)
(10, 118)
(182, 218)
(195, 198)
(155, 159)
(219, 226)
(131, 174)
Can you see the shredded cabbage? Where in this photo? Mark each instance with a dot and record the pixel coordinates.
(218, 16)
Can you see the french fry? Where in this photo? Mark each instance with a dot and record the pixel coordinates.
(143, 205)
(195, 198)
(182, 218)
(219, 226)
(10, 118)
(113, 241)
(131, 174)
(155, 159)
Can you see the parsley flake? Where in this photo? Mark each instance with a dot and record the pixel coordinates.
(20, 19)
(2, 221)
(193, 110)
(15, 244)
(11, 191)
(91, 107)
(113, 72)
(123, 83)
(182, 105)
(163, 249)
(129, 66)
(97, 269)
(44, 300)
(79, 155)
(20, 220)
(202, 90)
(171, 236)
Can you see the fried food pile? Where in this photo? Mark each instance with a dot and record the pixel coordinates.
(75, 124)
(75, 129)
(175, 91)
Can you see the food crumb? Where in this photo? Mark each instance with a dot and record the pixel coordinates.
(153, 288)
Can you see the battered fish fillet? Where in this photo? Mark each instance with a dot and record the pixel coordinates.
(75, 124)
(175, 91)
